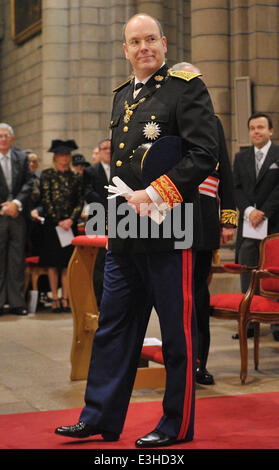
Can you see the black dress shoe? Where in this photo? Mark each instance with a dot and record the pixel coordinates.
(82, 430)
(156, 439)
(18, 311)
(204, 377)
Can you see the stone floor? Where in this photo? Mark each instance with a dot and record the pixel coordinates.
(35, 363)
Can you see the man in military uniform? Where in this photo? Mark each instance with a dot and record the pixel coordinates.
(142, 273)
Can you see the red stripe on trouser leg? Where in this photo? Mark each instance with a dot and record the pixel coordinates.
(187, 321)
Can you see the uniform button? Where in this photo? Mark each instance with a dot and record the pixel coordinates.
(125, 128)
(122, 145)
(153, 117)
(118, 163)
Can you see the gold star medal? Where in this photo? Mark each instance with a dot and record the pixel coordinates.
(151, 130)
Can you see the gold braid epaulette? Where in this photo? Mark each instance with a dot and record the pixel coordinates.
(184, 75)
(123, 84)
(228, 216)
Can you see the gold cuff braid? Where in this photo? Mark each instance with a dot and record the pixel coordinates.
(167, 190)
(228, 216)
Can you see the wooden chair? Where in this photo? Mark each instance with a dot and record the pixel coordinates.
(258, 305)
(32, 272)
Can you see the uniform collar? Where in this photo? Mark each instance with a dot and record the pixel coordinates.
(155, 81)
(148, 78)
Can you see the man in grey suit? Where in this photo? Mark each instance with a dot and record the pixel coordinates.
(15, 187)
(256, 181)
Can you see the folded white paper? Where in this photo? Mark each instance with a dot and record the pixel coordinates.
(65, 236)
(259, 232)
(121, 189)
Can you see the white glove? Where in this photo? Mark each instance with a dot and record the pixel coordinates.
(121, 189)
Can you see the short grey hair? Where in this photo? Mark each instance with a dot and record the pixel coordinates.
(3, 125)
(186, 66)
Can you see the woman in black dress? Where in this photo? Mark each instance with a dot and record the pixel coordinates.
(62, 201)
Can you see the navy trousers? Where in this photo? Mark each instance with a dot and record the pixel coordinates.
(133, 284)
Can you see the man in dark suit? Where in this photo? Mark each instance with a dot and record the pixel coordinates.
(219, 221)
(95, 178)
(256, 181)
(15, 188)
(144, 272)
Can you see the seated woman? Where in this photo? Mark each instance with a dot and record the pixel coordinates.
(62, 201)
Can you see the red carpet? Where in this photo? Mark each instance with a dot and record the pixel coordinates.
(233, 422)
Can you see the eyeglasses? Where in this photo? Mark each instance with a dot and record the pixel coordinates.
(5, 136)
(135, 43)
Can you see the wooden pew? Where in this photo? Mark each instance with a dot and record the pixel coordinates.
(85, 314)
(83, 301)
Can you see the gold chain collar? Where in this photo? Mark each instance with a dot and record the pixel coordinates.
(130, 109)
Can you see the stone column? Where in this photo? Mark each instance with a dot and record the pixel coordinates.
(2, 28)
(177, 29)
(119, 66)
(76, 72)
(254, 53)
(88, 73)
(153, 8)
(263, 43)
(211, 53)
(54, 74)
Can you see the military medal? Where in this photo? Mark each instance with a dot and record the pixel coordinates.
(151, 130)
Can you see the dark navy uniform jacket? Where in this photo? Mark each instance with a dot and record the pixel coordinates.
(171, 103)
(220, 210)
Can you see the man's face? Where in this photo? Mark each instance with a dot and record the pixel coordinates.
(144, 46)
(104, 151)
(95, 155)
(33, 165)
(5, 140)
(259, 131)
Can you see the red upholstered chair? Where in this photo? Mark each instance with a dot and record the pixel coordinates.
(258, 305)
